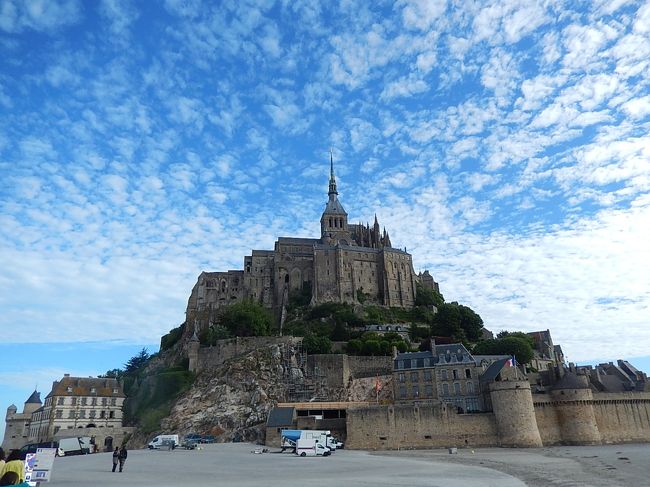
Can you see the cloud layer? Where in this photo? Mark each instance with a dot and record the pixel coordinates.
(505, 144)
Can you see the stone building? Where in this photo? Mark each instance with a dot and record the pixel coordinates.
(346, 262)
(78, 403)
(17, 424)
(447, 373)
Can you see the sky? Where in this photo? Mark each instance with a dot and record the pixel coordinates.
(504, 144)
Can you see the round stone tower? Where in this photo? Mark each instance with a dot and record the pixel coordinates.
(573, 399)
(512, 403)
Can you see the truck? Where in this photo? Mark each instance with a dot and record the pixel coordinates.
(290, 438)
(311, 448)
(164, 441)
(77, 445)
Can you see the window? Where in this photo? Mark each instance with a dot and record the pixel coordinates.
(92, 413)
(93, 390)
(416, 390)
(82, 413)
(401, 376)
(455, 374)
(457, 388)
(69, 389)
(71, 413)
(407, 364)
(102, 414)
(443, 374)
(60, 401)
(93, 401)
(414, 376)
(84, 401)
(468, 373)
(427, 362)
(445, 389)
(58, 414)
(74, 401)
(402, 391)
(111, 414)
(470, 388)
(113, 401)
(427, 375)
(104, 401)
(428, 390)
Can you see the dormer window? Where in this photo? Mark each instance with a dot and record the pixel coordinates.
(115, 391)
(93, 390)
(68, 389)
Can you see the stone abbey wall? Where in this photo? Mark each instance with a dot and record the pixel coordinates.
(369, 366)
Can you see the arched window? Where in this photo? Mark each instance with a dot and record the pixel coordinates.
(331, 222)
(223, 286)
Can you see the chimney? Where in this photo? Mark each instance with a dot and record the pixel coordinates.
(432, 344)
(66, 375)
(394, 351)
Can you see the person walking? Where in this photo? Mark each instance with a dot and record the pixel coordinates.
(14, 464)
(122, 456)
(116, 458)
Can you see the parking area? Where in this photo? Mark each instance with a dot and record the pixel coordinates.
(234, 464)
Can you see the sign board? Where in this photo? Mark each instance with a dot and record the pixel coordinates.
(38, 466)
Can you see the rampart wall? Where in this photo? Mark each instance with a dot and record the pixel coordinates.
(417, 426)
(210, 357)
(369, 366)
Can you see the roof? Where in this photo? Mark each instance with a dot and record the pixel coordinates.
(298, 240)
(35, 398)
(455, 353)
(493, 370)
(571, 381)
(83, 386)
(280, 417)
(334, 206)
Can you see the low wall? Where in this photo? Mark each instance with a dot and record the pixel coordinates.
(417, 426)
(106, 439)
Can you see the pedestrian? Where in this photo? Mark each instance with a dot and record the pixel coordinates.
(122, 456)
(116, 457)
(11, 478)
(2, 458)
(14, 464)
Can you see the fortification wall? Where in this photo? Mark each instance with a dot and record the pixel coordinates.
(334, 367)
(210, 357)
(623, 417)
(417, 426)
(369, 366)
(547, 420)
(515, 416)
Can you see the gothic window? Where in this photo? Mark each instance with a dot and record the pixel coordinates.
(223, 286)
(331, 222)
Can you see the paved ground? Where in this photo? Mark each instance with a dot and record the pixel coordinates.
(234, 464)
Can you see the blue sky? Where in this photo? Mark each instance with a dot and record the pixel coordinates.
(505, 144)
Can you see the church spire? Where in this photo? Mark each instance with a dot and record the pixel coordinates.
(332, 190)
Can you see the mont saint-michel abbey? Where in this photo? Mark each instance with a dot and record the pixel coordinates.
(347, 260)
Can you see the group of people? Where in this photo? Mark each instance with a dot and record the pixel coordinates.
(119, 456)
(12, 469)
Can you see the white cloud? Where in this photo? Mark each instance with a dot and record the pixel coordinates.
(637, 107)
(40, 15)
(422, 14)
(403, 87)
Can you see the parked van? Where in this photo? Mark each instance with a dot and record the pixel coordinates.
(164, 441)
(311, 448)
(77, 445)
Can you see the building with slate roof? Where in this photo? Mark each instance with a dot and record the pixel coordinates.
(347, 261)
(77, 403)
(447, 373)
(17, 424)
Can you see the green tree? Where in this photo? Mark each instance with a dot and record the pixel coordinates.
(509, 345)
(246, 318)
(371, 347)
(354, 346)
(519, 334)
(136, 362)
(427, 297)
(316, 344)
(457, 321)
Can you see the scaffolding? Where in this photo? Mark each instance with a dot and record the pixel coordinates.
(301, 384)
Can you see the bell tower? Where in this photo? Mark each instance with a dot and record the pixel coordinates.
(334, 221)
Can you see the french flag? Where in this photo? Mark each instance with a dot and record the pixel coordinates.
(511, 362)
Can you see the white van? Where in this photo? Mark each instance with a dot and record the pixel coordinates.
(78, 445)
(311, 448)
(164, 441)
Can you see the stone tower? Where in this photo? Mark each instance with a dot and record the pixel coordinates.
(573, 405)
(512, 403)
(334, 221)
(193, 351)
(17, 424)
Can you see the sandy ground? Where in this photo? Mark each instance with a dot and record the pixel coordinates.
(607, 466)
(234, 464)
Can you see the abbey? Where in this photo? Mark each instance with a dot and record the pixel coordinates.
(348, 263)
